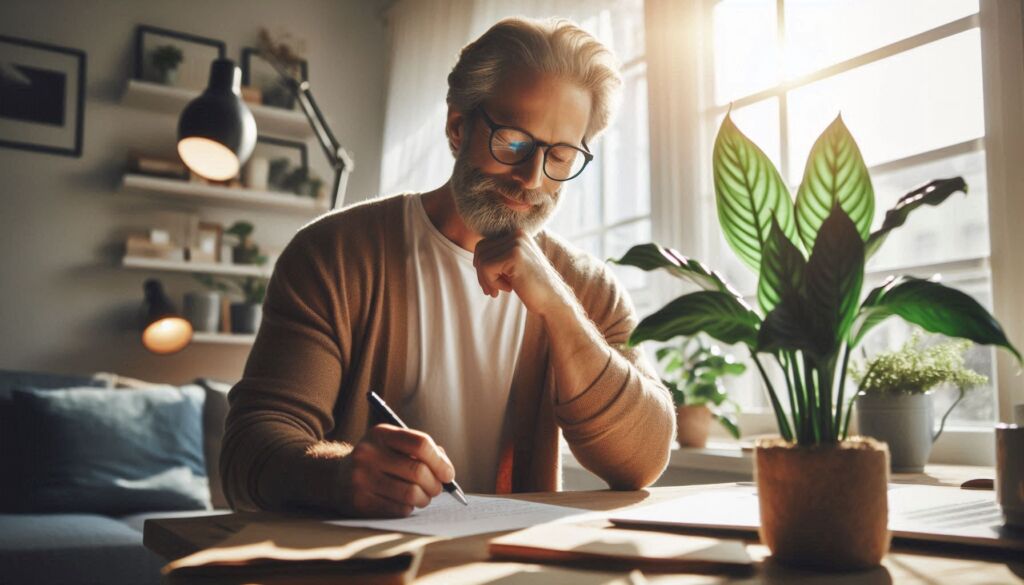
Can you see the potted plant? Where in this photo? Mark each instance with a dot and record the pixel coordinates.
(165, 60)
(693, 373)
(895, 399)
(822, 494)
(245, 251)
(246, 314)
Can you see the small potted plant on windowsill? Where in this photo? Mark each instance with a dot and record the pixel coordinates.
(895, 399)
(693, 373)
(821, 494)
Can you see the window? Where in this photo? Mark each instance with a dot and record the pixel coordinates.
(907, 78)
(607, 209)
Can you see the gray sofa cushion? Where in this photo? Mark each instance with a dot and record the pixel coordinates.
(40, 549)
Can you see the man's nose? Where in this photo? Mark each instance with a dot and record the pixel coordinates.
(530, 172)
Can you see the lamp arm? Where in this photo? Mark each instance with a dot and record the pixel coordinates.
(340, 160)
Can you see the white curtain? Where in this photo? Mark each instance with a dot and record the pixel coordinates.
(425, 38)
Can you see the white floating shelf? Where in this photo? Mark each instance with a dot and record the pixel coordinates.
(223, 338)
(227, 196)
(195, 267)
(172, 100)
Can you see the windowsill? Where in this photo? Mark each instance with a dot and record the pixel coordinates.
(727, 457)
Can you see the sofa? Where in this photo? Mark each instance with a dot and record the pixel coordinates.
(53, 541)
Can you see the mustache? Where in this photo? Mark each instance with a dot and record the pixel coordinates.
(508, 189)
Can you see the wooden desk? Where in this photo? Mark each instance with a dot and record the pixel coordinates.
(464, 560)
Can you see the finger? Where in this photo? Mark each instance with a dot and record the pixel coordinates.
(402, 492)
(420, 446)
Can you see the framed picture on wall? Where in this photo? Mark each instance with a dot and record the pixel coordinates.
(259, 73)
(42, 96)
(175, 58)
(286, 163)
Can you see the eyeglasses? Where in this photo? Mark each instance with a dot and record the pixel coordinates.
(512, 146)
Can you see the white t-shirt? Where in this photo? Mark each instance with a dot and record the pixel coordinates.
(463, 350)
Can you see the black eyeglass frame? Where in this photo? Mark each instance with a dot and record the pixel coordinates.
(494, 126)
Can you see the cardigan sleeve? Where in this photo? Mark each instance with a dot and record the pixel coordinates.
(273, 455)
(622, 425)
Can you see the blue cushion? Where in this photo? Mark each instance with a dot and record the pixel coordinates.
(73, 548)
(11, 445)
(113, 451)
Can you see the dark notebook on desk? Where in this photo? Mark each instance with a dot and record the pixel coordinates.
(917, 513)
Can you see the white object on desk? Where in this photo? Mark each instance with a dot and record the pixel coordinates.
(447, 517)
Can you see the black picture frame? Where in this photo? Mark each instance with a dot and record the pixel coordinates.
(42, 97)
(258, 72)
(198, 68)
(293, 150)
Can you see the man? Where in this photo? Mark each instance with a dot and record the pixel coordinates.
(483, 332)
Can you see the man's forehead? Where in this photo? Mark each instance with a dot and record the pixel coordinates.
(550, 108)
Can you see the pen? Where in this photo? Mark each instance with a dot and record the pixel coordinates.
(383, 412)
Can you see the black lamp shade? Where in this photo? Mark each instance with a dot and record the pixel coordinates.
(216, 131)
(164, 331)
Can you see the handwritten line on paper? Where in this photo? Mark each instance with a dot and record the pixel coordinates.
(448, 518)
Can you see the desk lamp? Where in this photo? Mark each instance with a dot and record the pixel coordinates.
(217, 132)
(164, 331)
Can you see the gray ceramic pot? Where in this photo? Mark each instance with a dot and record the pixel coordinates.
(202, 309)
(245, 317)
(905, 422)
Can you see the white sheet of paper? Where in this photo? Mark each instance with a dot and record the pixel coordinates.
(446, 517)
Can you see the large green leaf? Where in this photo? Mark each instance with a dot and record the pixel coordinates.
(785, 327)
(652, 257)
(718, 314)
(835, 172)
(782, 269)
(833, 280)
(749, 192)
(933, 307)
(932, 193)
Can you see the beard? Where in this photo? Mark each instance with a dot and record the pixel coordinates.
(478, 203)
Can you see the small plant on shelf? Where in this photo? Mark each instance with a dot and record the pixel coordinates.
(245, 250)
(693, 374)
(165, 60)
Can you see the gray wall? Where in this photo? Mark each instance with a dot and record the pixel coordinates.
(65, 306)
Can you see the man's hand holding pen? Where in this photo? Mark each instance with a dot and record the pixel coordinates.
(392, 471)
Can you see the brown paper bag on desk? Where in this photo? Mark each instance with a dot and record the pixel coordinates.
(303, 551)
(623, 549)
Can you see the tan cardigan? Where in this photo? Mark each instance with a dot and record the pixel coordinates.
(334, 328)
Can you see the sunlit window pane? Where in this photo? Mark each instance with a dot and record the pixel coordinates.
(580, 207)
(627, 153)
(913, 102)
(820, 33)
(745, 48)
(955, 230)
(621, 239)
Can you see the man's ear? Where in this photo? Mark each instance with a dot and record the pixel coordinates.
(455, 129)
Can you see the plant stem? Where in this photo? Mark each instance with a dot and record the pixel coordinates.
(780, 415)
(826, 377)
(793, 409)
(842, 387)
(812, 399)
(801, 398)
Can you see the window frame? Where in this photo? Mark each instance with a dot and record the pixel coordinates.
(679, 128)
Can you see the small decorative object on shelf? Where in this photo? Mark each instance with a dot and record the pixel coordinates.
(245, 251)
(245, 315)
(258, 72)
(158, 51)
(207, 244)
(693, 374)
(202, 309)
(154, 166)
(165, 60)
(895, 399)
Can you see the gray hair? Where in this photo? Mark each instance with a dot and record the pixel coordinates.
(554, 46)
